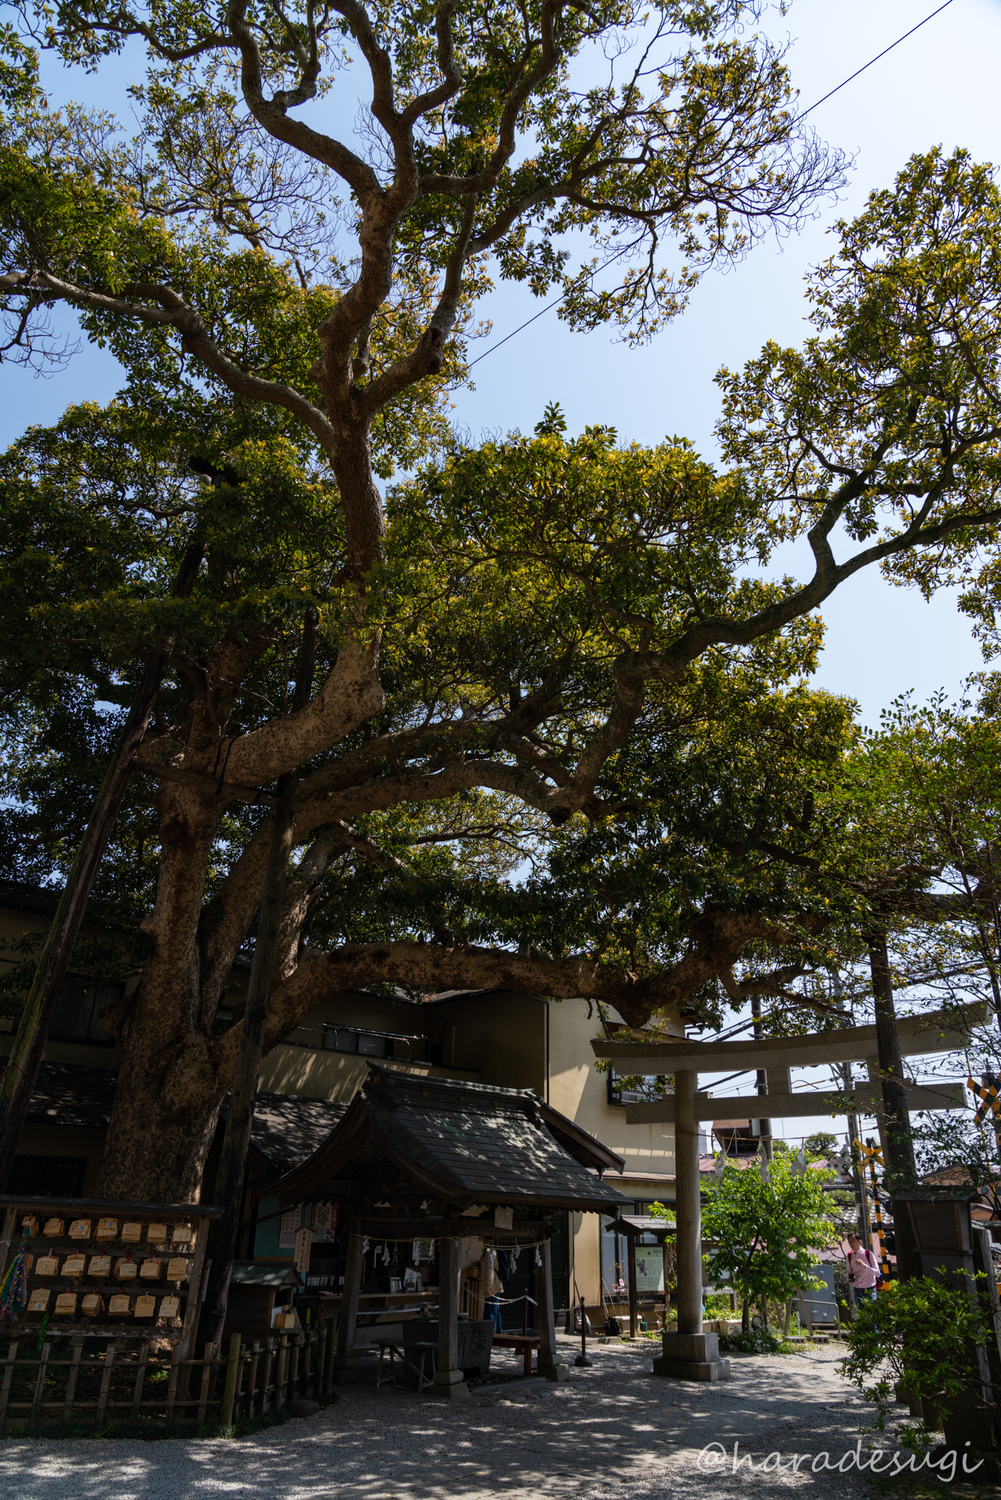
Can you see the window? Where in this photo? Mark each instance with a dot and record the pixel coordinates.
(47, 1176)
(77, 1016)
(363, 1043)
(626, 1090)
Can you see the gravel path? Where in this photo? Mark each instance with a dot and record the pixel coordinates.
(612, 1433)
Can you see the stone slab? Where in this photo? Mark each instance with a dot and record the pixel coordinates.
(693, 1369)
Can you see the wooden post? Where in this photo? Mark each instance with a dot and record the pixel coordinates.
(137, 1394)
(9, 1228)
(210, 1355)
(255, 1359)
(102, 1400)
(8, 1376)
(448, 1379)
(667, 1290)
(345, 1362)
(329, 1351)
(549, 1363)
(232, 1371)
(71, 1378)
(687, 1204)
(293, 1377)
(175, 1371)
(633, 1310)
(269, 1350)
(281, 1374)
(36, 1405)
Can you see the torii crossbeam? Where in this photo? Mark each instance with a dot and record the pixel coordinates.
(690, 1353)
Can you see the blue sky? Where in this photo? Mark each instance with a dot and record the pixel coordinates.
(938, 87)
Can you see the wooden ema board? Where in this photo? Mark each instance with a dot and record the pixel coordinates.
(76, 1276)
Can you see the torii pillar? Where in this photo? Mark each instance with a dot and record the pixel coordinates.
(689, 1354)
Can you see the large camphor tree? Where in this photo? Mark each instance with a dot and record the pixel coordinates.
(540, 605)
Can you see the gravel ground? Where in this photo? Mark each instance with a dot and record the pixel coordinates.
(611, 1433)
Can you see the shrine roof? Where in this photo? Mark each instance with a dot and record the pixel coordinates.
(463, 1142)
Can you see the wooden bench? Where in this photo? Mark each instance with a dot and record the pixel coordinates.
(526, 1342)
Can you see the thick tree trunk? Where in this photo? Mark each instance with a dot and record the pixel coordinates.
(18, 1077)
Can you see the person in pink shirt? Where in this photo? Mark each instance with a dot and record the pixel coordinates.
(863, 1269)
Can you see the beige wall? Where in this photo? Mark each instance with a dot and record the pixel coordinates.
(501, 1033)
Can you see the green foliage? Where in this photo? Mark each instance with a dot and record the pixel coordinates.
(754, 1341)
(766, 1234)
(918, 1334)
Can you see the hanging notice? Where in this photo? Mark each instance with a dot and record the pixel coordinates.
(324, 1221)
(649, 1270)
(290, 1223)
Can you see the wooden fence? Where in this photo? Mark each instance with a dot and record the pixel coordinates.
(79, 1378)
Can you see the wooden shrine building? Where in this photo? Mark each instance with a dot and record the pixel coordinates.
(415, 1160)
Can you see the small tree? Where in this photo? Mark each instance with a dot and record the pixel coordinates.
(766, 1230)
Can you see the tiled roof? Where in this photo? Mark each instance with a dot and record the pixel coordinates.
(486, 1144)
(287, 1129)
(66, 1094)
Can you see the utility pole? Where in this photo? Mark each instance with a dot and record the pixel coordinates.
(901, 1172)
(17, 1081)
(240, 1117)
(764, 1126)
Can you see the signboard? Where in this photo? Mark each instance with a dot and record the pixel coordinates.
(649, 1269)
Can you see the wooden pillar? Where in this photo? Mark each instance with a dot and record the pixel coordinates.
(633, 1311)
(549, 1363)
(688, 1211)
(344, 1360)
(448, 1379)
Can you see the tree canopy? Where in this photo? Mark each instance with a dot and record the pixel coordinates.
(553, 649)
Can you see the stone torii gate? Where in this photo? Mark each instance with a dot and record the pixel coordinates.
(690, 1353)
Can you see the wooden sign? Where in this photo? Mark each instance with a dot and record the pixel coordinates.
(92, 1305)
(170, 1307)
(100, 1266)
(183, 1235)
(66, 1305)
(54, 1229)
(39, 1300)
(80, 1229)
(29, 1225)
(303, 1244)
(74, 1265)
(107, 1229)
(145, 1306)
(156, 1234)
(48, 1265)
(119, 1305)
(150, 1269)
(125, 1270)
(131, 1233)
(177, 1268)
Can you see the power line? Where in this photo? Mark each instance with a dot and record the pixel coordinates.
(876, 58)
(844, 82)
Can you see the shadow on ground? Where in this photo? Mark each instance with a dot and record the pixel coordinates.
(613, 1431)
